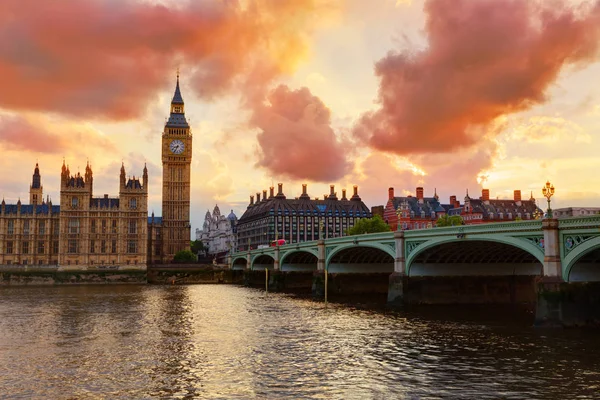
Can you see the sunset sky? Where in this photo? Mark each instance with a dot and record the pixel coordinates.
(452, 95)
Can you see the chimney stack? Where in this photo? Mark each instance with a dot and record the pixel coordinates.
(304, 188)
(355, 190)
(251, 200)
(272, 190)
(331, 190)
(485, 194)
(280, 189)
(517, 195)
(419, 193)
(258, 197)
(391, 193)
(453, 202)
(264, 195)
(344, 194)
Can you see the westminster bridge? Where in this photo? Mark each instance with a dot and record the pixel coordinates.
(552, 263)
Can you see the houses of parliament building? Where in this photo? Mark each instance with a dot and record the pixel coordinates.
(105, 232)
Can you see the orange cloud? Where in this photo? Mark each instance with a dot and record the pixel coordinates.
(485, 59)
(106, 59)
(296, 138)
(21, 134)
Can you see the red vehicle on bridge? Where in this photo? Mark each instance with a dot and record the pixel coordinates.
(278, 242)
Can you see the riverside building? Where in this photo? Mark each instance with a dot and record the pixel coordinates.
(86, 231)
(275, 217)
(419, 212)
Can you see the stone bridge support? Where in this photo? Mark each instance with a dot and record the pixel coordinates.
(551, 290)
(398, 278)
(318, 285)
(276, 277)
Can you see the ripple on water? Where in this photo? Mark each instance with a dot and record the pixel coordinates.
(226, 342)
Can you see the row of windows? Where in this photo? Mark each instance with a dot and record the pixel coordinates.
(29, 228)
(321, 213)
(75, 203)
(26, 248)
(102, 246)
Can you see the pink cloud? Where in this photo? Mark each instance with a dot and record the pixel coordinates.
(296, 138)
(485, 58)
(18, 133)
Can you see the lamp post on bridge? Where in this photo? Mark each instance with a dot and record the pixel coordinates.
(548, 191)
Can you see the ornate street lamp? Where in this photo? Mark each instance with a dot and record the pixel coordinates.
(548, 191)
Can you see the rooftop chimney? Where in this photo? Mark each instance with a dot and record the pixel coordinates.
(332, 194)
(280, 191)
(344, 194)
(420, 194)
(485, 194)
(272, 191)
(517, 195)
(391, 193)
(355, 196)
(258, 197)
(251, 200)
(264, 195)
(304, 195)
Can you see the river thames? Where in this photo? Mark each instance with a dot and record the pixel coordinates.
(228, 342)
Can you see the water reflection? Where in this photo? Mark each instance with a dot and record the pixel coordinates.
(228, 342)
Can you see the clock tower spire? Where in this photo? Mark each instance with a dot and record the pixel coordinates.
(176, 160)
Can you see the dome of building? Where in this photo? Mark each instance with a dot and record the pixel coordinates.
(231, 216)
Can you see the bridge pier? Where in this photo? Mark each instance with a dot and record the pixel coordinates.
(398, 279)
(549, 297)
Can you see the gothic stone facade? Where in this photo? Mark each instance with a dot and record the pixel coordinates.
(218, 233)
(85, 232)
(172, 232)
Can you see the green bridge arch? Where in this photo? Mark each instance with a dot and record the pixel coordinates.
(517, 242)
(375, 245)
(577, 253)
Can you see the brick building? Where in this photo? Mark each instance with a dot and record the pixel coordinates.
(418, 212)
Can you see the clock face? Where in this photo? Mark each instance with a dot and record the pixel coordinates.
(177, 146)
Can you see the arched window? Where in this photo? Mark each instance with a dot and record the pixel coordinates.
(74, 202)
(133, 203)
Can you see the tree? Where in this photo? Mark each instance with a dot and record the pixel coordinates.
(368, 225)
(185, 256)
(197, 246)
(449, 220)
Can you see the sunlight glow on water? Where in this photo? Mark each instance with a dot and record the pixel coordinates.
(227, 342)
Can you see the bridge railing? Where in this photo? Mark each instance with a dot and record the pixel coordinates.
(588, 221)
(492, 227)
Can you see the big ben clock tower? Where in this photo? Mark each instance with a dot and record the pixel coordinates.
(176, 160)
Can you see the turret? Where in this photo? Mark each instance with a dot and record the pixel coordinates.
(145, 177)
(36, 190)
(89, 176)
(122, 177)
